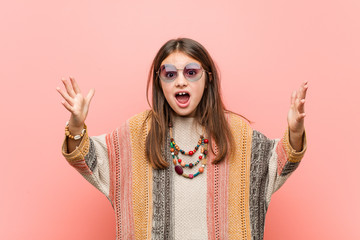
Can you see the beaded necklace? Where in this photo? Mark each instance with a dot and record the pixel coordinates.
(175, 150)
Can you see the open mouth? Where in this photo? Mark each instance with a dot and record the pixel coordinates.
(182, 97)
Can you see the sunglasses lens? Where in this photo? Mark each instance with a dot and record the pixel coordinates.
(168, 72)
(193, 72)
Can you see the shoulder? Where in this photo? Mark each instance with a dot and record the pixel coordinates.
(134, 122)
(237, 120)
(139, 124)
(140, 117)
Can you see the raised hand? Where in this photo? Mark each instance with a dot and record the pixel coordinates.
(296, 116)
(75, 102)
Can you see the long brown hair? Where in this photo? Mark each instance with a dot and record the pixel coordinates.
(210, 112)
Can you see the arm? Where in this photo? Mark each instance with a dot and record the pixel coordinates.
(87, 155)
(288, 152)
(296, 117)
(90, 159)
(78, 106)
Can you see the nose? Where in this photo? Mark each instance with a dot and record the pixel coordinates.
(180, 80)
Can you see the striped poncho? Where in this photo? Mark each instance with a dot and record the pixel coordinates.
(228, 201)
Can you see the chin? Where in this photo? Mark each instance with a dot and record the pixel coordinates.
(185, 113)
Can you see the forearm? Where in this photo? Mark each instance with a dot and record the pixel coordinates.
(296, 140)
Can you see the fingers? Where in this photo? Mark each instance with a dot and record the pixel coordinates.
(69, 87)
(90, 95)
(75, 85)
(300, 105)
(67, 106)
(300, 117)
(68, 99)
(302, 90)
(298, 102)
(293, 98)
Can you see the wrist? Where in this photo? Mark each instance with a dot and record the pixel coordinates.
(75, 130)
(297, 133)
(296, 139)
(75, 133)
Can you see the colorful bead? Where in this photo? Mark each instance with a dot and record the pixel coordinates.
(179, 170)
(175, 149)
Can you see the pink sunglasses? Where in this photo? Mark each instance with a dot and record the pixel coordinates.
(192, 72)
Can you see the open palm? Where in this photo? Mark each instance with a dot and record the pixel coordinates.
(75, 102)
(296, 112)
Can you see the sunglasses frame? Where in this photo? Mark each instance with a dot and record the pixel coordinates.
(177, 70)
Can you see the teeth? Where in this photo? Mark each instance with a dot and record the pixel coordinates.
(182, 93)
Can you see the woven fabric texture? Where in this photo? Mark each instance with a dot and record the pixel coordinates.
(228, 201)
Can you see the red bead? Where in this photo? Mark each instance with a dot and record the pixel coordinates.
(190, 165)
(179, 160)
(200, 157)
(191, 176)
(179, 170)
(191, 153)
(206, 140)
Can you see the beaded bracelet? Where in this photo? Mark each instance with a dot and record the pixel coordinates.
(76, 137)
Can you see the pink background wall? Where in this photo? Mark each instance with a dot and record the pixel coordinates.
(264, 49)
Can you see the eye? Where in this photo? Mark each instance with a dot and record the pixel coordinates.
(191, 72)
(170, 74)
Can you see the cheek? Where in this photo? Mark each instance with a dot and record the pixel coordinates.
(201, 89)
(165, 90)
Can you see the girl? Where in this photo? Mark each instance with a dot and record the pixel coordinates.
(188, 168)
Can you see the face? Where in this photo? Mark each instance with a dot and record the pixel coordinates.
(183, 95)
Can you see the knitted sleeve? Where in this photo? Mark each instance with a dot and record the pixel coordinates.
(283, 162)
(273, 160)
(91, 160)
